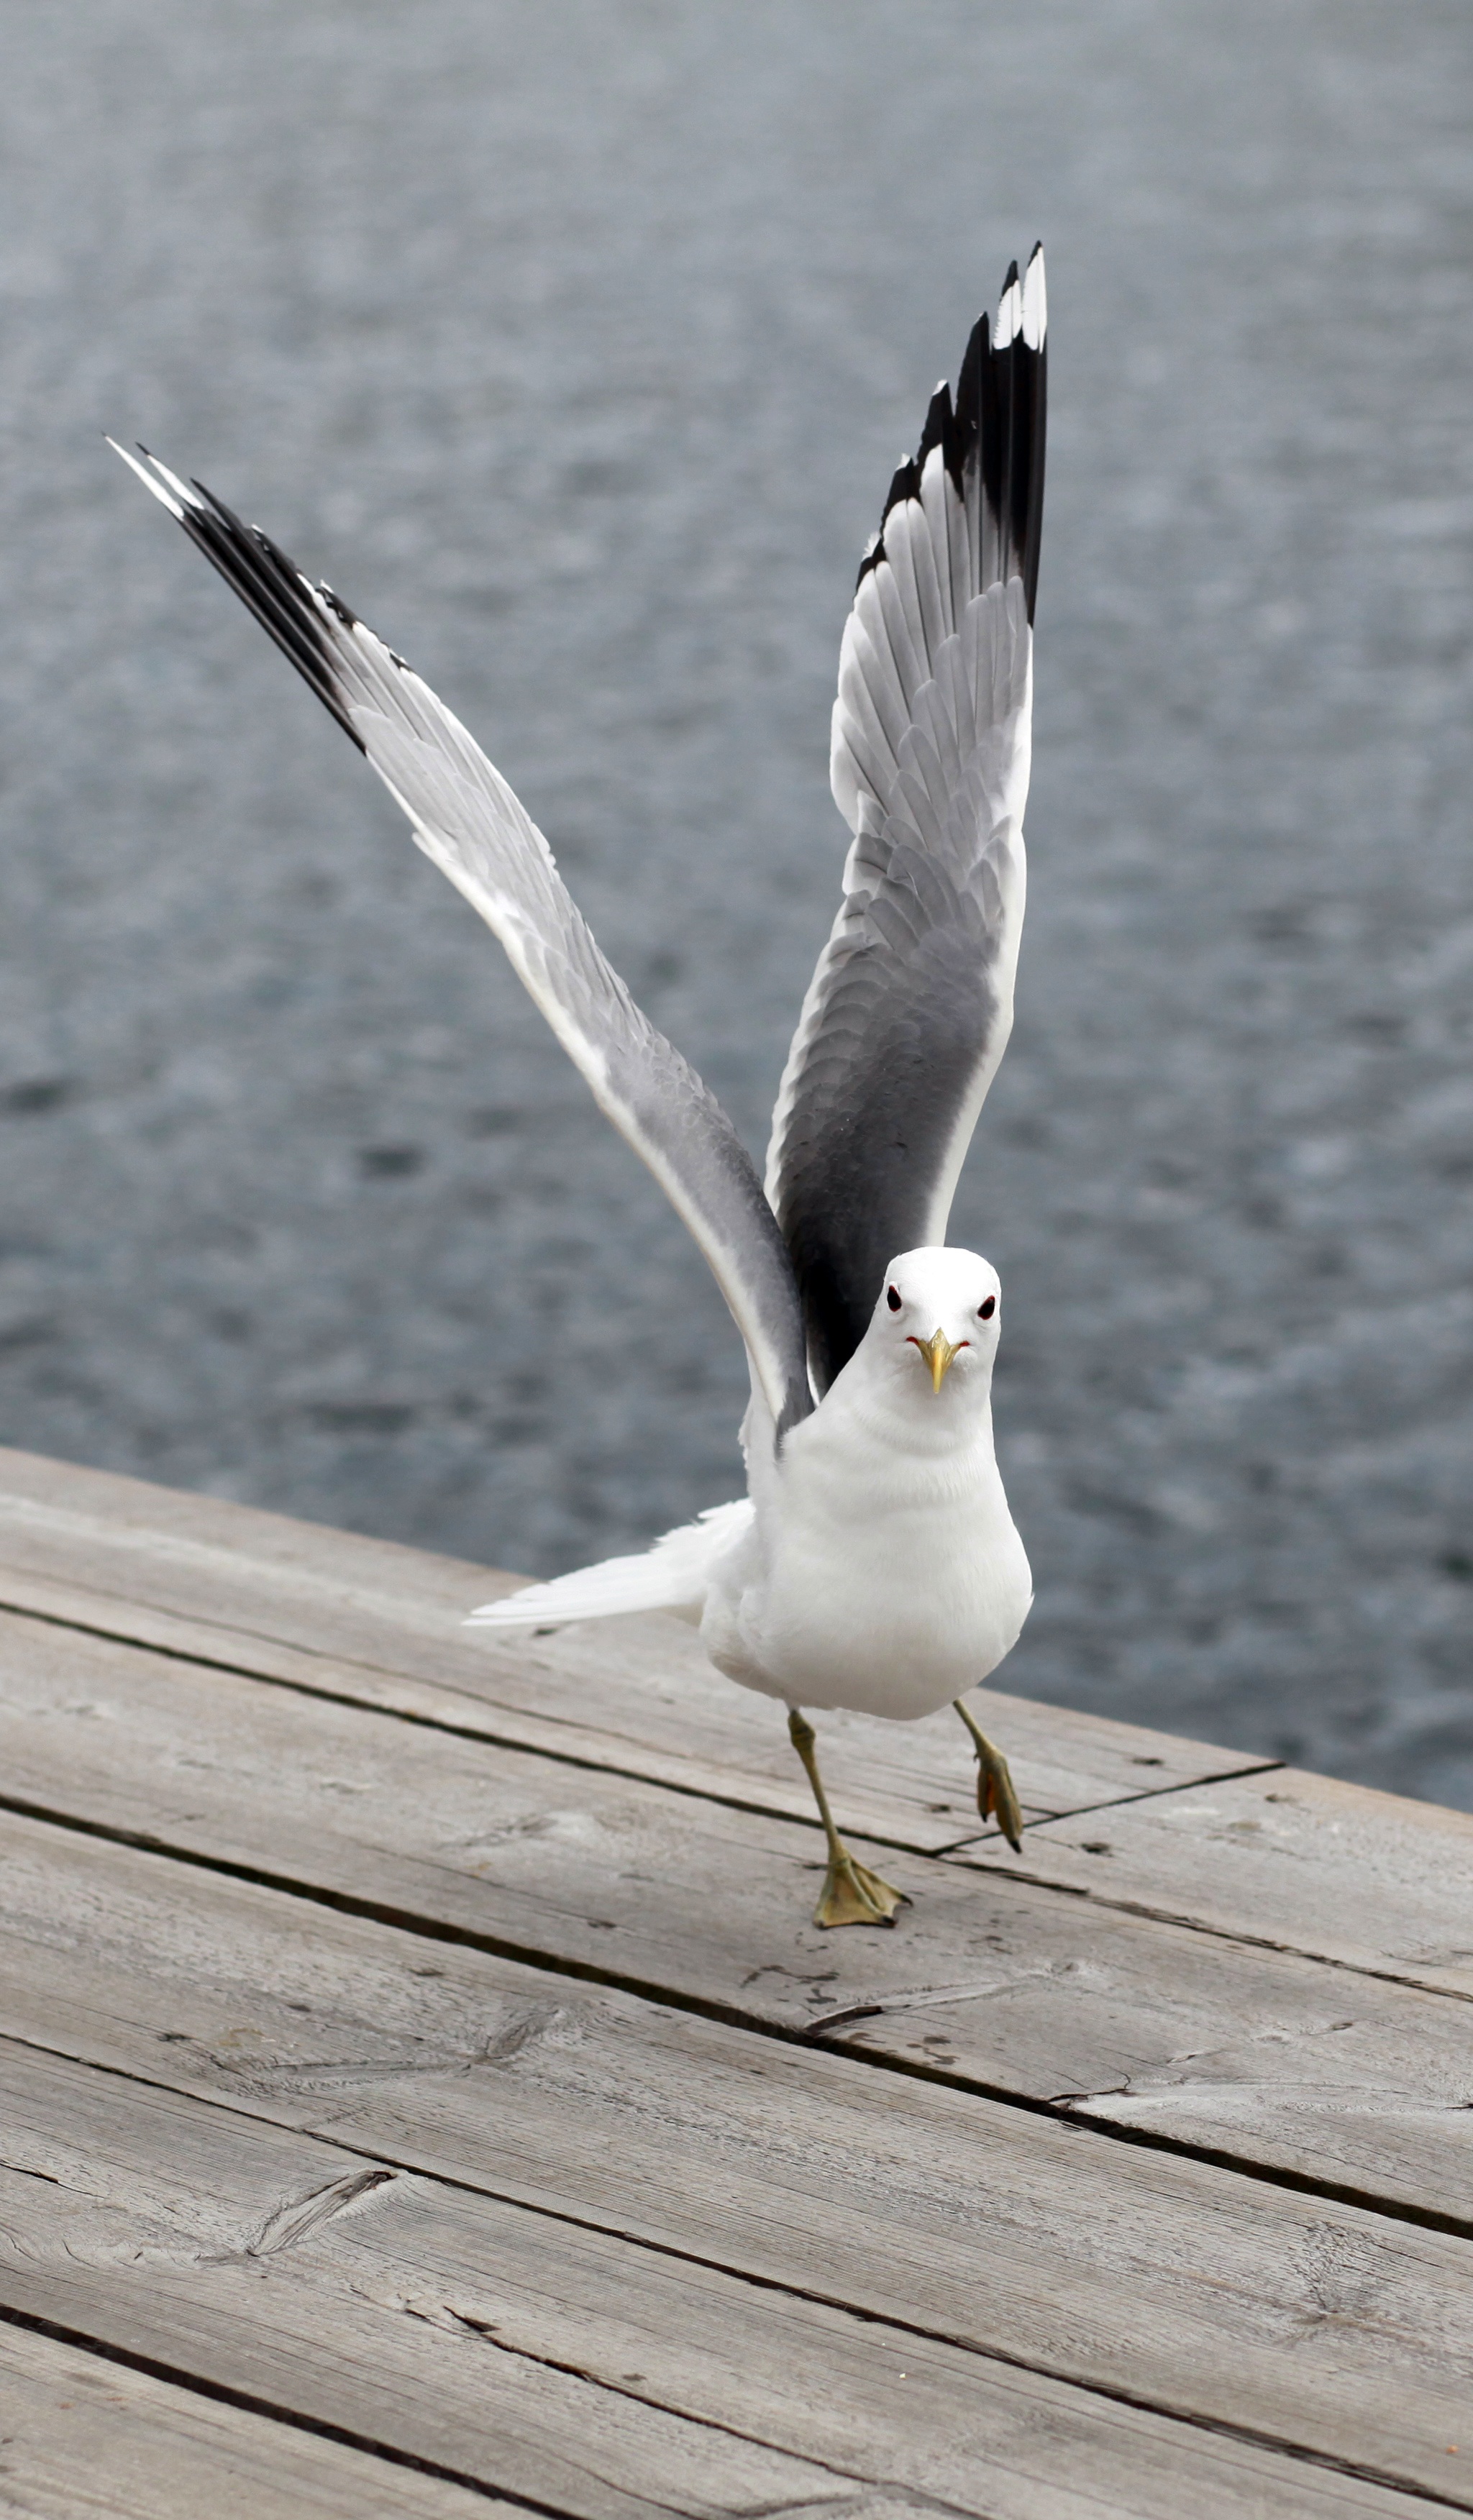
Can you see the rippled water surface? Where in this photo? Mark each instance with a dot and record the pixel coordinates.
(575, 344)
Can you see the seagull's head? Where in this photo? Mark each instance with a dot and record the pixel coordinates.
(935, 1324)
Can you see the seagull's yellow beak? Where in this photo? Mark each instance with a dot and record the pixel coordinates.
(938, 1352)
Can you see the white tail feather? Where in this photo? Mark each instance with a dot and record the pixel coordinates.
(671, 1576)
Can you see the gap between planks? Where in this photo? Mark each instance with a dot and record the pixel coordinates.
(762, 1805)
(828, 2070)
(171, 2446)
(569, 1965)
(617, 1856)
(975, 1850)
(1059, 2110)
(149, 2278)
(379, 1625)
(551, 2080)
(213, 1571)
(423, 2489)
(973, 1846)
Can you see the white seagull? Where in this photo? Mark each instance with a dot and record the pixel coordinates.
(874, 1562)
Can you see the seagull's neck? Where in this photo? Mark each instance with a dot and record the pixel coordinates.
(871, 1405)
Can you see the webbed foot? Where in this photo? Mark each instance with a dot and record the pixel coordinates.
(853, 1895)
(997, 1797)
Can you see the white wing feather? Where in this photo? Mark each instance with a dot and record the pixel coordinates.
(468, 820)
(911, 1006)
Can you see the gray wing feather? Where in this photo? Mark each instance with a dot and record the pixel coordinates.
(910, 1010)
(468, 820)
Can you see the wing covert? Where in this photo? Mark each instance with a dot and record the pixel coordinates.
(911, 1006)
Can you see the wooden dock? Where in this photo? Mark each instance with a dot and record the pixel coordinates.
(425, 2093)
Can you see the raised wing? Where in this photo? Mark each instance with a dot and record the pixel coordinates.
(910, 1007)
(467, 818)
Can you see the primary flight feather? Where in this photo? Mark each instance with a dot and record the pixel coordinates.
(874, 1562)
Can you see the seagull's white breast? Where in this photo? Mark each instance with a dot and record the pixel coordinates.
(883, 1571)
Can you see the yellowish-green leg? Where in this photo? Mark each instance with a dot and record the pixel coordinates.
(852, 1894)
(995, 1787)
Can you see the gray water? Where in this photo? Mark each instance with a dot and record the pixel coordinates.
(575, 343)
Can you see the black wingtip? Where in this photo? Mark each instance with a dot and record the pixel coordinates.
(272, 587)
(995, 426)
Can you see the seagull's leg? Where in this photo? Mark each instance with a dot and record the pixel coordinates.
(852, 1894)
(995, 1787)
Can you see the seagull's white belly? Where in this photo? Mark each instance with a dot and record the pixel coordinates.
(887, 1586)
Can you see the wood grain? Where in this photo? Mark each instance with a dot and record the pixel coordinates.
(578, 2161)
(971, 2220)
(578, 2100)
(86, 2438)
(1296, 1862)
(379, 1625)
(1265, 2058)
(605, 2379)
(1363, 2087)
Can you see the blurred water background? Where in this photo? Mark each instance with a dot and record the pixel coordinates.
(575, 341)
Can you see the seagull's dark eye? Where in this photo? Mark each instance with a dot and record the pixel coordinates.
(892, 1298)
(986, 1311)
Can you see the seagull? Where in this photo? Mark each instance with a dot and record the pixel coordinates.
(874, 1562)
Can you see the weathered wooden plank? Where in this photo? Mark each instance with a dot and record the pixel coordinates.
(1353, 1877)
(106, 1953)
(973, 2220)
(84, 2435)
(648, 1676)
(1276, 2061)
(381, 1625)
(605, 2378)
(576, 2098)
(1296, 1862)
(268, 2264)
